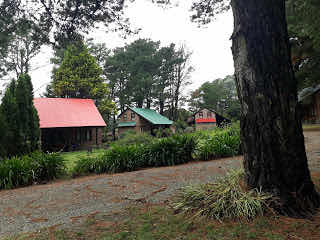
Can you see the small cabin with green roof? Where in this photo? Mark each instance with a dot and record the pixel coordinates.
(141, 120)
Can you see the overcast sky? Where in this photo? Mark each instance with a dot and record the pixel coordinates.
(211, 57)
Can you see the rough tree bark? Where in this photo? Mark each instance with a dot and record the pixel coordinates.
(271, 131)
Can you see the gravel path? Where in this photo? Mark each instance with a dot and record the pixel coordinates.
(68, 203)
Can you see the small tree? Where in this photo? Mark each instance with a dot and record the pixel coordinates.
(9, 112)
(3, 136)
(20, 118)
(28, 118)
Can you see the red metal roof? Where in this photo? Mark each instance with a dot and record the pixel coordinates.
(206, 120)
(68, 112)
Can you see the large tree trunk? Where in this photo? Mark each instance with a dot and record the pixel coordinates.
(271, 131)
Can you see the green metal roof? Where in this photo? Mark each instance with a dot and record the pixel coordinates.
(152, 116)
(126, 124)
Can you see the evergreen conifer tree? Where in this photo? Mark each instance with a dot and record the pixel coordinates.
(28, 118)
(9, 112)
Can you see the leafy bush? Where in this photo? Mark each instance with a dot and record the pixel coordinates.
(137, 151)
(127, 133)
(163, 152)
(219, 143)
(47, 166)
(170, 151)
(28, 169)
(133, 139)
(226, 198)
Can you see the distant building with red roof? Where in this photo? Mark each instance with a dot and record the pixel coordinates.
(206, 118)
(69, 123)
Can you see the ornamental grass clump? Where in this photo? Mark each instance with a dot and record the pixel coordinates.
(170, 151)
(219, 143)
(29, 169)
(226, 198)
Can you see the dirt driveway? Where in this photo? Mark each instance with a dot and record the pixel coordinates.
(67, 203)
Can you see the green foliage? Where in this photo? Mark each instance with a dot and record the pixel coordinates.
(28, 126)
(3, 136)
(226, 198)
(20, 117)
(136, 151)
(131, 138)
(79, 76)
(119, 158)
(143, 74)
(180, 125)
(303, 27)
(29, 169)
(218, 143)
(219, 95)
(170, 151)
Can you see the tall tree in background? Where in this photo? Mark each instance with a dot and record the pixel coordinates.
(144, 74)
(79, 76)
(181, 78)
(271, 131)
(303, 24)
(219, 95)
(21, 49)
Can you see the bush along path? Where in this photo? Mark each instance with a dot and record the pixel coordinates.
(170, 151)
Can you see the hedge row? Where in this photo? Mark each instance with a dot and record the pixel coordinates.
(29, 169)
(168, 151)
(163, 152)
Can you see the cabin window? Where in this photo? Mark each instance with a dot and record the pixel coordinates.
(125, 117)
(200, 115)
(133, 116)
(209, 115)
(141, 129)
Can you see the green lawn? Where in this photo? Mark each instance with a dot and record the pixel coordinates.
(72, 157)
(311, 127)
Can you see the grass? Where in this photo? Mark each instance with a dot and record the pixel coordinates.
(311, 127)
(71, 158)
(161, 222)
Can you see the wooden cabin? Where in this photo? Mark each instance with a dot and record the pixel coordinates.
(141, 120)
(309, 99)
(206, 119)
(69, 124)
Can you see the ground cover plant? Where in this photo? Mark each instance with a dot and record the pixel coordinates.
(29, 169)
(226, 198)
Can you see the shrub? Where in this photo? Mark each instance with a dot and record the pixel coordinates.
(163, 152)
(226, 198)
(28, 169)
(128, 154)
(47, 166)
(133, 139)
(170, 151)
(218, 143)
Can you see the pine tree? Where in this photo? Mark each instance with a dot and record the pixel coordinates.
(9, 112)
(3, 136)
(28, 118)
